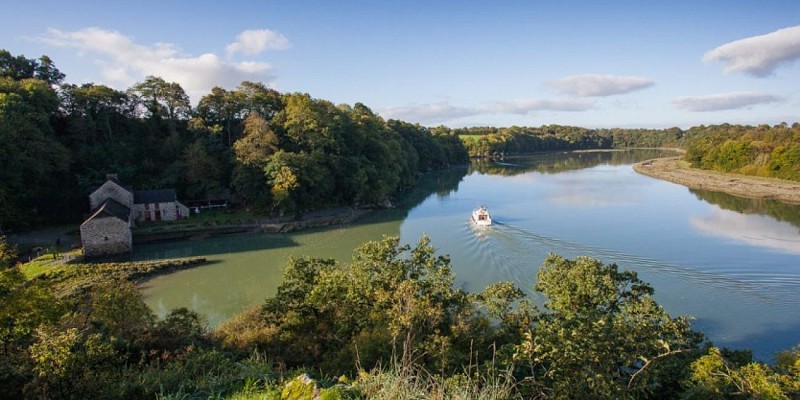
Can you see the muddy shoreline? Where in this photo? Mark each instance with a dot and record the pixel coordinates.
(675, 170)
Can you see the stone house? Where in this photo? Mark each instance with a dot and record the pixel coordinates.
(115, 208)
(107, 231)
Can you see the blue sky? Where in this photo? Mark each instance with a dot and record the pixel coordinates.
(584, 63)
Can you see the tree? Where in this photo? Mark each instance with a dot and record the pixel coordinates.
(16, 68)
(255, 97)
(391, 299)
(715, 377)
(221, 107)
(204, 174)
(604, 336)
(46, 70)
(162, 99)
(257, 144)
(8, 253)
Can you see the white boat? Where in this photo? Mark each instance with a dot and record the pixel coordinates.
(481, 217)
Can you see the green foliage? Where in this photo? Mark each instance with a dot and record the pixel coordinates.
(500, 142)
(392, 299)
(416, 383)
(253, 146)
(784, 162)
(762, 150)
(300, 388)
(715, 377)
(34, 163)
(603, 333)
(8, 253)
(74, 364)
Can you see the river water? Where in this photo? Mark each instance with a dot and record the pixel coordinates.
(733, 264)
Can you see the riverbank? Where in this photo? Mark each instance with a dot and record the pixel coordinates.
(190, 230)
(74, 278)
(675, 170)
(43, 241)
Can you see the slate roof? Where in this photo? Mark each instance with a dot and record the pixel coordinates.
(111, 209)
(154, 196)
(92, 189)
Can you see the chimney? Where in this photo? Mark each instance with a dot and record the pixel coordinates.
(112, 176)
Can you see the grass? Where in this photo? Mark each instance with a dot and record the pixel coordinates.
(45, 263)
(67, 279)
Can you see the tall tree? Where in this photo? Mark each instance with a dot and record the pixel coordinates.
(162, 99)
(258, 142)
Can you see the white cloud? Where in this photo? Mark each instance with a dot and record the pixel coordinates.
(759, 55)
(123, 62)
(724, 101)
(435, 113)
(529, 105)
(444, 112)
(599, 85)
(754, 230)
(255, 41)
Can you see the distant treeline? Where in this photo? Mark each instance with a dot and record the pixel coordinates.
(275, 152)
(771, 151)
(497, 142)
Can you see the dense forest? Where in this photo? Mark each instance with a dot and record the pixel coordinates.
(253, 146)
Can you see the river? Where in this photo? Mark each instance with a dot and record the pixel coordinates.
(733, 264)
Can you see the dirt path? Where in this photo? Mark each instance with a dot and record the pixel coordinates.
(675, 170)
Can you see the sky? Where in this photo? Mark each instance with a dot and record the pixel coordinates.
(595, 64)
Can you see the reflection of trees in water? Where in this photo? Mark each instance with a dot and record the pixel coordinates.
(555, 162)
(775, 209)
(441, 182)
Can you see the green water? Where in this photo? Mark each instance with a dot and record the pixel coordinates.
(733, 264)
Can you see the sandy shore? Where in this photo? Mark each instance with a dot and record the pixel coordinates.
(675, 170)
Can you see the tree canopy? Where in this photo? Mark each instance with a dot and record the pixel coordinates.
(251, 146)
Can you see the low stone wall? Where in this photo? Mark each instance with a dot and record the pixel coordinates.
(312, 220)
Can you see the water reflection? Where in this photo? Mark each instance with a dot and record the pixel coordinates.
(247, 268)
(753, 230)
(780, 211)
(556, 162)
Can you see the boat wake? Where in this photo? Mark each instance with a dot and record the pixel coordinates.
(516, 254)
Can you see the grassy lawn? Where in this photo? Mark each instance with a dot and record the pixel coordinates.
(46, 263)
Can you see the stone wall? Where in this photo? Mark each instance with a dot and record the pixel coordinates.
(106, 236)
(110, 190)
